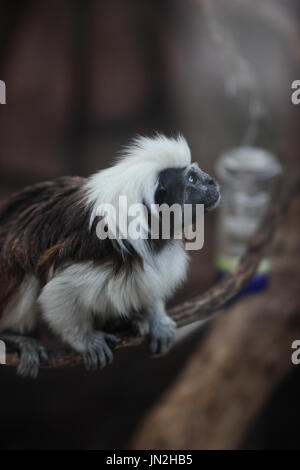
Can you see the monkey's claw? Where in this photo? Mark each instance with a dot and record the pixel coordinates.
(98, 353)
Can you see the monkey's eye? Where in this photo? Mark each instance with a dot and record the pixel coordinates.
(193, 178)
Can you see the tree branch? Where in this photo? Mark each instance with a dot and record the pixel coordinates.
(204, 306)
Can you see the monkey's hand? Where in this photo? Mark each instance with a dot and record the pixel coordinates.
(162, 335)
(162, 331)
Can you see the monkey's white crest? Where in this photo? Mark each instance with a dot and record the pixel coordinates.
(135, 174)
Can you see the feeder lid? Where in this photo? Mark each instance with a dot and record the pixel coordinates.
(253, 162)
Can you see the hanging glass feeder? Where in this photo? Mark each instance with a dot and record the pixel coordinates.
(247, 176)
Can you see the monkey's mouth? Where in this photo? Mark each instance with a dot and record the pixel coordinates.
(213, 204)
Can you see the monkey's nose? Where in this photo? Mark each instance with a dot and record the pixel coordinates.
(207, 180)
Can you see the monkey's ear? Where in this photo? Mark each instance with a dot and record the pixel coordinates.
(162, 187)
(160, 193)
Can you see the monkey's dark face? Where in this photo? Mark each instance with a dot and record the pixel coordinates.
(187, 186)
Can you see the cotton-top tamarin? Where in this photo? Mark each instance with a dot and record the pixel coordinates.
(54, 266)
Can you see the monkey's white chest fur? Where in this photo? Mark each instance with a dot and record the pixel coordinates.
(84, 290)
(100, 291)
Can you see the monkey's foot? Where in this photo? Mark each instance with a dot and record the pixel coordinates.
(31, 353)
(98, 351)
(162, 333)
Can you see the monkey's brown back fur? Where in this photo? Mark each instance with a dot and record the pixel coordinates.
(45, 225)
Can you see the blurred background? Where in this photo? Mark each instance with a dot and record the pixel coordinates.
(84, 76)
